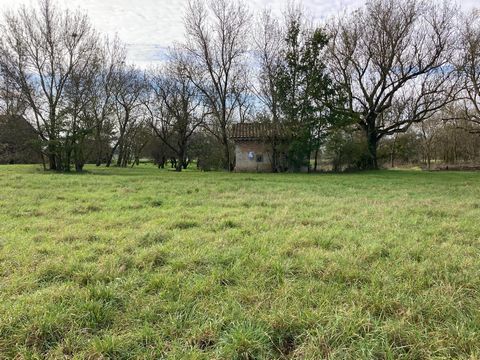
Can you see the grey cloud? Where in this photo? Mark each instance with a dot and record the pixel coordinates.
(150, 26)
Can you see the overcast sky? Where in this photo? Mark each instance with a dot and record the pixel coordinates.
(149, 26)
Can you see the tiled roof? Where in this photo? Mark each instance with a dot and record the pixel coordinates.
(12, 118)
(15, 121)
(251, 131)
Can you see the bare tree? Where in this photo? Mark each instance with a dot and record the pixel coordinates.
(11, 100)
(268, 46)
(176, 109)
(470, 67)
(40, 50)
(429, 131)
(138, 140)
(215, 60)
(79, 121)
(102, 105)
(394, 61)
(129, 90)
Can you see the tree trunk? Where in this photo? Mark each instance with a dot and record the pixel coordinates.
(52, 162)
(372, 142)
(228, 165)
(99, 147)
(79, 167)
(43, 161)
(315, 164)
(99, 157)
(392, 153)
(110, 156)
(52, 157)
(78, 155)
(274, 158)
(120, 155)
(68, 158)
(181, 161)
(98, 160)
(126, 158)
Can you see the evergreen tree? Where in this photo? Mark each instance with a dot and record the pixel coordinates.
(306, 92)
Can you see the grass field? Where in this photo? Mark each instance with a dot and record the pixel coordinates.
(144, 263)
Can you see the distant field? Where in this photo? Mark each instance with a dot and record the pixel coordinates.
(148, 263)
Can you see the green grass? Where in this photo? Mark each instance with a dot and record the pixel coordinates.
(144, 263)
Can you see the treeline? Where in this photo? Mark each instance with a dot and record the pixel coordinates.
(395, 81)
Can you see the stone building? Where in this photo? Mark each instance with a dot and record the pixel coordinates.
(252, 151)
(18, 141)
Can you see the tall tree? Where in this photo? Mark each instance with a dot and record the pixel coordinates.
(41, 48)
(268, 46)
(470, 66)
(393, 59)
(306, 94)
(176, 109)
(129, 91)
(79, 123)
(102, 106)
(429, 131)
(215, 60)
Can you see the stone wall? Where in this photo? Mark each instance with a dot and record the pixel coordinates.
(252, 156)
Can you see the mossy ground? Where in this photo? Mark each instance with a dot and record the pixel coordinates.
(144, 263)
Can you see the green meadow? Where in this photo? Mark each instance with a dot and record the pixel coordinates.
(147, 263)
